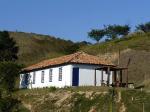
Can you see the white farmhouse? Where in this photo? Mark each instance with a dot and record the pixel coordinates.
(78, 69)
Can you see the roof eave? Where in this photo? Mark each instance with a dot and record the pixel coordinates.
(40, 68)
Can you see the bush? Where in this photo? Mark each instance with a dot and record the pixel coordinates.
(8, 73)
(8, 104)
(52, 89)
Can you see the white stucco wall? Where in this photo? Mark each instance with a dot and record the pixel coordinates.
(66, 79)
(86, 76)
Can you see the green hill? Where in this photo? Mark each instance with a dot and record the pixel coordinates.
(135, 46)
(35, 47)
(136, 41)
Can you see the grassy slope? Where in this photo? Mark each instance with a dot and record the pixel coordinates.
(84, 99)
(35, 47)
(136, 41)
(139, 53)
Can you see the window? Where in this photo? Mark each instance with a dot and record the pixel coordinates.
(42, 77)
(60, 74)
(34, 75)
(50, 75)
(106, 72)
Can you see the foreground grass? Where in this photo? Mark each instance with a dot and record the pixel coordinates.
(84, 99)
(136, 101)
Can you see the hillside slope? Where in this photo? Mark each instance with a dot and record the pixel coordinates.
(135, 47)
(35, 47)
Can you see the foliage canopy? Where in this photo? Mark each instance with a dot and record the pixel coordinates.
(8, 48)
(111, 32)
(96, 34)
(143, 27)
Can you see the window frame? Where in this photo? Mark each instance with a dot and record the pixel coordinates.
(34, 76)
(42, 76)
(50, 75)
(60, 74)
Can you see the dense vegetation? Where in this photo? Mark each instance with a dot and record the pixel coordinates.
(9, 71)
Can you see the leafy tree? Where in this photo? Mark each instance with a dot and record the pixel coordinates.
(114, 31)
(143, 27)
(9, 71)
(8, 48)
(8, 68)
(96, 34)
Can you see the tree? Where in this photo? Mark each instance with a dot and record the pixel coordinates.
(143, 27)
(8, 68)
(9, 71)
(115, 31)
(96, 34)
(8, 48)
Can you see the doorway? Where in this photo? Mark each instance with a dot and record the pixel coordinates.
(75, 76)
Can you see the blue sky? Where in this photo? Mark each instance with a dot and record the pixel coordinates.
(70, 19)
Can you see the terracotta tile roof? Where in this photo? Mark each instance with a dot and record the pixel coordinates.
(78, 58)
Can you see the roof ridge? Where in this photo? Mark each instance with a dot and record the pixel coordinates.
(75, 55)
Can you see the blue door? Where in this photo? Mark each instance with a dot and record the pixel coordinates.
(75, 76)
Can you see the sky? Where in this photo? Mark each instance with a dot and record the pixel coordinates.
(70, 19)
